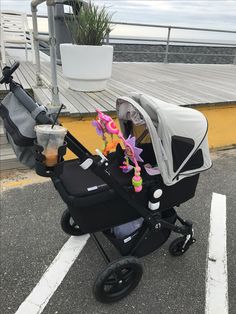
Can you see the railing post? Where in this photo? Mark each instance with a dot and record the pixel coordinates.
(107, 39)
(36, 44)
(53, 56)
(234, 62)
(167, 45)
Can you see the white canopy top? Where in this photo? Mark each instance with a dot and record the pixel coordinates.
(178, 134)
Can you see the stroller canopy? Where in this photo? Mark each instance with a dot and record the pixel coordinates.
(178, 134)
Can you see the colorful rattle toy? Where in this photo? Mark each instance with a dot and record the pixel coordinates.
(133, 153)
(105, 124)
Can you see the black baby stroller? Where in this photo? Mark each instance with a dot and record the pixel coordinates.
(100, 196)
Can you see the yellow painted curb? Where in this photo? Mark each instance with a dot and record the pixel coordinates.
(20, 180)
(222, 124)
(221, 133)
(84, 132)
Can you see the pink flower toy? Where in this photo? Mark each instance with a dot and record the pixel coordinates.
(105, 124)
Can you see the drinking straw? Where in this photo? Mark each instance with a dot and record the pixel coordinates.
(59, 111)
(55, 120)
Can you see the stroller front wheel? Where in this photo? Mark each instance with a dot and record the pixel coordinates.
(118, 279)
(179, 246)
(69, 226)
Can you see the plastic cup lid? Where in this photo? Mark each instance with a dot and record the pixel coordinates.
(47, 129)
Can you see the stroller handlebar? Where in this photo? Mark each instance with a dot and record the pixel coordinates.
(7, 73)
(41, 114)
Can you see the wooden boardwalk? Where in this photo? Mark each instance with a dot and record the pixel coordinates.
(181, 84)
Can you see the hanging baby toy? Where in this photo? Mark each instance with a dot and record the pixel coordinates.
(105, 125)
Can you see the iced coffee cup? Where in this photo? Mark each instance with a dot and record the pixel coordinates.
(50, 139)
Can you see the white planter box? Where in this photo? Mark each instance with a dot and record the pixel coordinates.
(86, 68)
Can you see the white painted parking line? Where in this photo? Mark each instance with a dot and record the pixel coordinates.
(216, 276)
(51, 279)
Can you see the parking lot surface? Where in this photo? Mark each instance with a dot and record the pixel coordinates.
(31, 238)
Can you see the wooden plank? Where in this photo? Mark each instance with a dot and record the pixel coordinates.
(101, 102)
(178, 85)
(22, 79)
(181, 87)
(3, 140)
(70, 100)
(198, 74)
(27, 72)
(2, 86)
(41, 97)
(182, 84)
(6, 152)
(42, 93)
(10, 162)
(156, 90)
(67, 94)
(90, 104)
(110, 94)
(201, 75)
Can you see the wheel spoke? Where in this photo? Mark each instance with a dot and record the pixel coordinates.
(118, 282)
(126, 276)
(117, 287)
(110, 281)
(75, 226)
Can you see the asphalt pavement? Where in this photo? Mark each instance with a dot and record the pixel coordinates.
(31, 238)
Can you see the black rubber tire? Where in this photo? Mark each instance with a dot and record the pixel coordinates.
(175, 247)
(121, 276)
(68, 225)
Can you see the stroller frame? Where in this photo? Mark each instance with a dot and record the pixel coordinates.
(154, 222)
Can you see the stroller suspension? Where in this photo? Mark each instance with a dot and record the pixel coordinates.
(180, 245)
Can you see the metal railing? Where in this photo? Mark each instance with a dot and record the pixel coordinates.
(40, 78)
(168, 40)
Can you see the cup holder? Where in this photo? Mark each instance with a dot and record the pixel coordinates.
(41, 167)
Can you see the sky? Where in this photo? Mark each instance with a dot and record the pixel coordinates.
(194, 13)
(214, 14)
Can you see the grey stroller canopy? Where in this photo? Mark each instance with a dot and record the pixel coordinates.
(178, 134)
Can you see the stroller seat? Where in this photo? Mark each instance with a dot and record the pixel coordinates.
(91, 199)
(79, 183)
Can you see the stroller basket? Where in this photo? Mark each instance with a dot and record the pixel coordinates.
(131, 245)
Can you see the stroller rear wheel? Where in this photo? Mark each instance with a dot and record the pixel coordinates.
(118, 279)
(69, 226)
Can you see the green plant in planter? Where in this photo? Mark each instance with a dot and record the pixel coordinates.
(90, 25)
